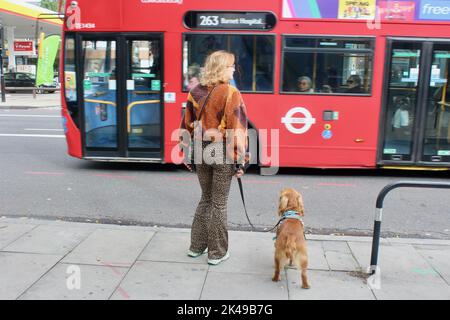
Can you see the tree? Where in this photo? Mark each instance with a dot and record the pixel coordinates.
(50, 4)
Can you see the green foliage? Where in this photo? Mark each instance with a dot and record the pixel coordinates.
(50, 4)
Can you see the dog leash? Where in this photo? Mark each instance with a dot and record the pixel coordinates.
(241, 189)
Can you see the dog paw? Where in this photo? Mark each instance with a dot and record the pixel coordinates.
(306, 286)
(276, 279)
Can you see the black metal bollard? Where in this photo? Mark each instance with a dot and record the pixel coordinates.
(379, 212)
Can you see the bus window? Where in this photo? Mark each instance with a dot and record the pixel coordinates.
(99, 89)
(69, 69)
(401, 101)
(254, 58)
(70, 78)
(144, 63)
(437, 131)
(330, 65)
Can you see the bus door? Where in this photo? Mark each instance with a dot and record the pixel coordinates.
(121, 96)
(416, 107)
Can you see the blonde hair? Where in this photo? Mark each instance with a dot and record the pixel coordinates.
(215, 69)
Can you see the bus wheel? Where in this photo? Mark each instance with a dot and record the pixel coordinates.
(268, 171)
(254, 147)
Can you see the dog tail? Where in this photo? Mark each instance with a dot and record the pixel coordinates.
(290, 248)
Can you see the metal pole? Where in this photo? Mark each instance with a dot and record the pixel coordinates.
(375, 241)
(2, 76)
(379, 212)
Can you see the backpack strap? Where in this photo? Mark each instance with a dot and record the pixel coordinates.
(204, 104)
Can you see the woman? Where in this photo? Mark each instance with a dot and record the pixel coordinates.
(304, 84)
(354, 83)
(222, 122)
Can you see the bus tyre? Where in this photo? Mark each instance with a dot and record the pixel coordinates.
(268, 171)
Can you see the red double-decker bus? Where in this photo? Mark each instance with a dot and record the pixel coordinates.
(345, 84)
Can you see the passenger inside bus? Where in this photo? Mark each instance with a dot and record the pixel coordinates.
(155, 67)
(304, 84)
(354, 84)
(401, 121)
(193, 76)
(326, 89)
(401, 116)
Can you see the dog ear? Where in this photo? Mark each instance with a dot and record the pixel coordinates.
(283, 204)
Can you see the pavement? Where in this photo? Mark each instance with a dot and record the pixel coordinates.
(25, 100)
(59, 260)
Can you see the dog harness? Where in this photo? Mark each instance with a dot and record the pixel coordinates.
(290, 214)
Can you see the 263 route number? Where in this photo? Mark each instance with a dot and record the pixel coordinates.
(209, 20)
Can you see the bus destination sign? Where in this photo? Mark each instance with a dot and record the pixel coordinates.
(219, 20)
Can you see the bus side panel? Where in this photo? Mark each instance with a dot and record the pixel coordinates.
(72, 133)
(73, 136)
(346, 141)
(172, 88)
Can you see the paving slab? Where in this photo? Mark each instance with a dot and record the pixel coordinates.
(400, 289)
(60, 283)
(149, 280)
(240, 286)
(23, 220)
(328, 285)
(361, 251)
(339, 256)
(249, 253)
(49, 240)
(110, 248)
(18, 271)
(400, 261)
(438, 258)
(324, 237)
(316, 256)
(170, 247)
(88, 223)
(419, 241)
(11, 232)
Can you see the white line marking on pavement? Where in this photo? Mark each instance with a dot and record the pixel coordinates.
(29, 115)
(31, 129)
(45, 173)
(32, 135)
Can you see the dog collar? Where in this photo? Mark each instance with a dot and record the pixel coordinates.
(291, 214)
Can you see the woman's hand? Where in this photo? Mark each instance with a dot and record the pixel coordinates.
(239, 173)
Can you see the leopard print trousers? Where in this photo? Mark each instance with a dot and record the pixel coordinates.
(209, 228)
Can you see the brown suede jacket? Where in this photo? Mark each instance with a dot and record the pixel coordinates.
(223, 111)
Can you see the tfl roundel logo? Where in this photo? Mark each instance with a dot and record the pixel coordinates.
(298, 120)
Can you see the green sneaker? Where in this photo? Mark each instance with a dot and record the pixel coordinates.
(193, 254)
(215, 262)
